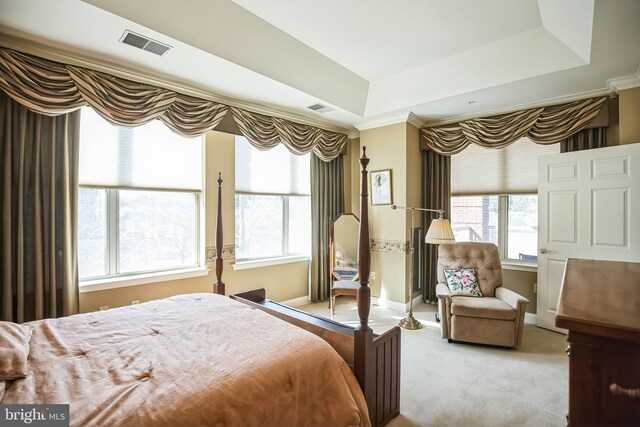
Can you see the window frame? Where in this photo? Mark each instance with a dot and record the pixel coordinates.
(503, 232)
(114, 279)
(285, 256)
(112, 244)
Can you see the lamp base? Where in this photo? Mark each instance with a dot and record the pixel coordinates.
(410, 322)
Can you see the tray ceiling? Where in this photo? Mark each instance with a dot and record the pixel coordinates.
(372, 61)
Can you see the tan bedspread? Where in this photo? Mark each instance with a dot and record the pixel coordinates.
(189, 360)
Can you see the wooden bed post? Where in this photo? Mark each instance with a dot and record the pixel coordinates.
(364, 359)
(375, 358)
(218, 287)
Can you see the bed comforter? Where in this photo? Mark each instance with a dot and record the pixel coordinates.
(188, 360)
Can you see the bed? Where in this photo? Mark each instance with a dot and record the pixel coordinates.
(169, 362)
(204, 359)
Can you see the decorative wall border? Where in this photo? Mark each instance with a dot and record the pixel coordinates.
(228, 252)
(392, 246)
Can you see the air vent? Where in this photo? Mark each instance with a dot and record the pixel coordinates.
(320, 108)
(144, 43)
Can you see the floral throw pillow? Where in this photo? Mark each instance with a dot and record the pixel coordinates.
(462, 281)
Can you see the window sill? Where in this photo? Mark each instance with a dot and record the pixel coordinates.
(141, 279)
(515, 265)
(267, 262)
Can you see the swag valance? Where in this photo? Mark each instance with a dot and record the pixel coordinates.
(51, 88)
(547, 125)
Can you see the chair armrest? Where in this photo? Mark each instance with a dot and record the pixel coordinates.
(518, 302)
(515, 300)
(442, 290)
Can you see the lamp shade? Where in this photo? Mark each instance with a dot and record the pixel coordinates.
(440, 232)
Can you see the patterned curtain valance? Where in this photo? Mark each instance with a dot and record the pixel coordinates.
(547, 125)
(264, 132)
(52, 88)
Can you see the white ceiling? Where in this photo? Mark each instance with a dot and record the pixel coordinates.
(374, 61)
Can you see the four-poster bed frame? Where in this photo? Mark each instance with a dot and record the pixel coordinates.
(374, 359)
(145, 364)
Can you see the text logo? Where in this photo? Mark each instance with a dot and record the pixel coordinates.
(34, 415)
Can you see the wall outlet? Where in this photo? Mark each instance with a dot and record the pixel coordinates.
(373, 275)
(104, 307)
(535, 288)
(135, 301)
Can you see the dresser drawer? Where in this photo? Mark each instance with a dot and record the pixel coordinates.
(595, 364)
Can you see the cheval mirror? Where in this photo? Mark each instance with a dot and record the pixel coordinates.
(343, 244)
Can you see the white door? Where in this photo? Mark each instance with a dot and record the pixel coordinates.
(588, 207)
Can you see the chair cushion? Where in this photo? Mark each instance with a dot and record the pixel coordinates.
(346, 284)
(462, 281)
(487, 308)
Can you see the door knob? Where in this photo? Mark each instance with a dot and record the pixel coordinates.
(544, 250)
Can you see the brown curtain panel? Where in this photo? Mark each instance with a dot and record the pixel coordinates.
(327, 202)
(585, 140)
(436, 194)
(39, 181)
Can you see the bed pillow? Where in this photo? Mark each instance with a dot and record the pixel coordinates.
(14, 350)
(462, 281)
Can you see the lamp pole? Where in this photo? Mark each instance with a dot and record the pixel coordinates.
(411, 322)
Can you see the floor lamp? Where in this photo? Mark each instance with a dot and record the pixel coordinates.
(439, 232)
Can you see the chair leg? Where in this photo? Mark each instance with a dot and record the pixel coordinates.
(333, 305)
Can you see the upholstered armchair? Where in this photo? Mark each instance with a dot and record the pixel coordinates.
(496, 318)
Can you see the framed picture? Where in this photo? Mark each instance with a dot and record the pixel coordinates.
(381, 187)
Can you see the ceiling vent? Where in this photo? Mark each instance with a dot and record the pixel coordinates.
(144, 43)
(320, 108)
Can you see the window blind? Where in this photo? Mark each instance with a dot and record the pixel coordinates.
(511, 170)
(275, 171)
(149, 156)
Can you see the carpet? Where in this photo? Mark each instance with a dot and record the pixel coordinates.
(451, 384)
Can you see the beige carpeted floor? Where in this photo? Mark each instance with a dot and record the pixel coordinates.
(445, 384)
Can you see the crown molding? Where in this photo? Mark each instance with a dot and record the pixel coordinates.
(415, 120)
(538, 104)
(387, 120)
(391, 120)
(59, 54)
(353, 134)
(622, 83)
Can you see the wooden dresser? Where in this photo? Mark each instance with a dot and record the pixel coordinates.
(600, 306)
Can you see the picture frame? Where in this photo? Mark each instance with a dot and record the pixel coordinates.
(381, 187)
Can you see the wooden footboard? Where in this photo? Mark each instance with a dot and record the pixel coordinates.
(387, 377)
(384, 398)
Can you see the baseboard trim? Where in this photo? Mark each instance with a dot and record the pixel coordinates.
(394, 305)
(296, 302)
(531, 318)
(417, 301)
(388, 304)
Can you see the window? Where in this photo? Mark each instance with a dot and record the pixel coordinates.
(272, 203)
(522, 227)
(139, 199)
(511, 222)
(494, 197)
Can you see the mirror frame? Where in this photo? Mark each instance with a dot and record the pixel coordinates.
(332, 238)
